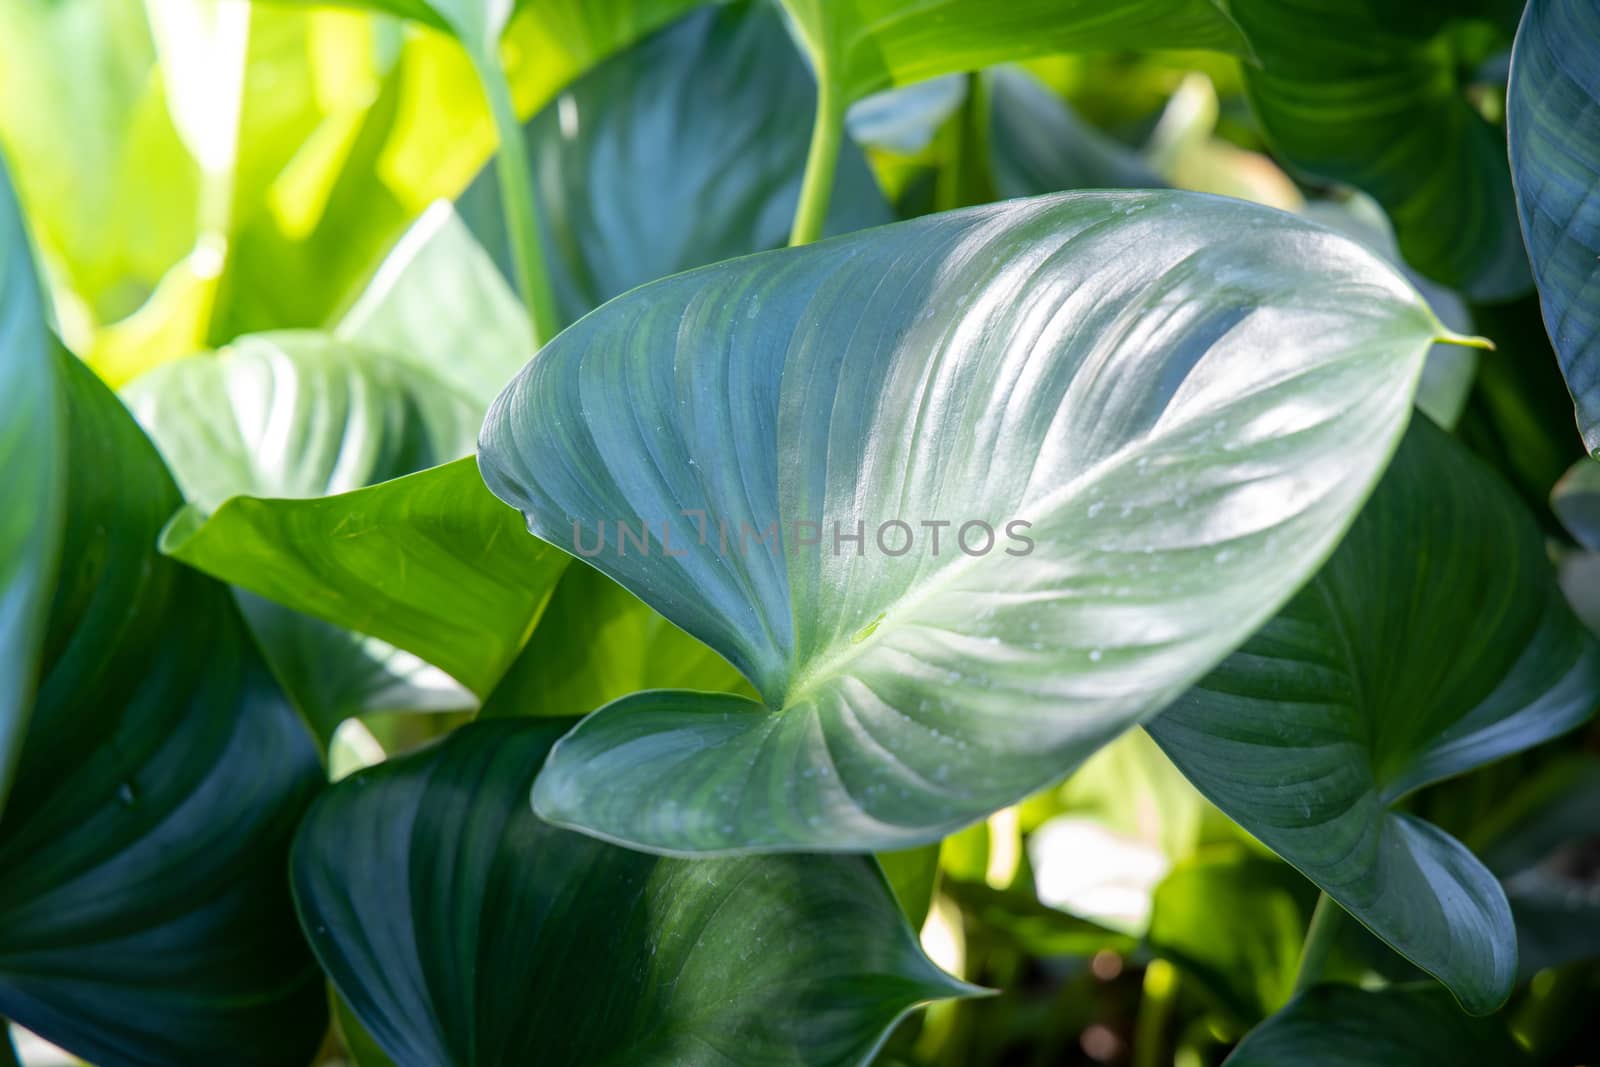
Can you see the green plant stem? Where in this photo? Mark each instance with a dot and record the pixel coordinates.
(822, 163)
(1155, 1013)
(518, 202)
(1320, 936)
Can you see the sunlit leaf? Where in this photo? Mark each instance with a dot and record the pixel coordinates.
(1187, 398)
(1433, 642)
(464, 931)
(430, 563)
(864, 46)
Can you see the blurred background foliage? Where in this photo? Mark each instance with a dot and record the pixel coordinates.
(228, 168)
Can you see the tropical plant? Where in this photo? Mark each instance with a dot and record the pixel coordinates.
(800, 532)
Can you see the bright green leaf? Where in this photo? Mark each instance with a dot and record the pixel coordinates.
(299, 415)
(1553, 119)
(596, 642)
(1433, 642)
(669, 156)
(33, 457)
(1186, 397)
(145, 918)
(1341, 1026)
(1369, 95)
(1235, 922)
(430, 563)
(864, 46)
(464, 931)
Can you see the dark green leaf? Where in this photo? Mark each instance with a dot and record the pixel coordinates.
(144, 918)
(33, 457)
(685, 150)
(1433, 642)
(1341, 1026)
(464, 931)
(1034, 928)
(1553, 119)
(913, 875)
(868, 45)
(1369, 95)
(430, 563)
(1187, 398)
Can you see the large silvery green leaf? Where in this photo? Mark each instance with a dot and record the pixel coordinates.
(430, 563)
(301, 415)
(145, 916)
(32, 455)
(1369, 94)
(1146, 418)
(465, 932)
(1341, 1026)
(1433, 642)
(684, 150)
(862, 46)
(1553, 119)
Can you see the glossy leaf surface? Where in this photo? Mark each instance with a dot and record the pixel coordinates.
(145, 914)
(867, 45)
(684, 150)
(1553, 119)
(1433, 642)
(1369, 94)
(1161, 384)
(464, 931)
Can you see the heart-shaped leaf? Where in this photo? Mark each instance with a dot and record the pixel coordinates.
(668, 157)
(1434, 641)
(1369, 95)
(145, 918)
(1342, 1026)
(1145, 419)
(863, 46)
(430, 563)
(32, 455)
(463, 931)
(1553, 120)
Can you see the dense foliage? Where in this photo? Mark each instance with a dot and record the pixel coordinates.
(800, 532)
